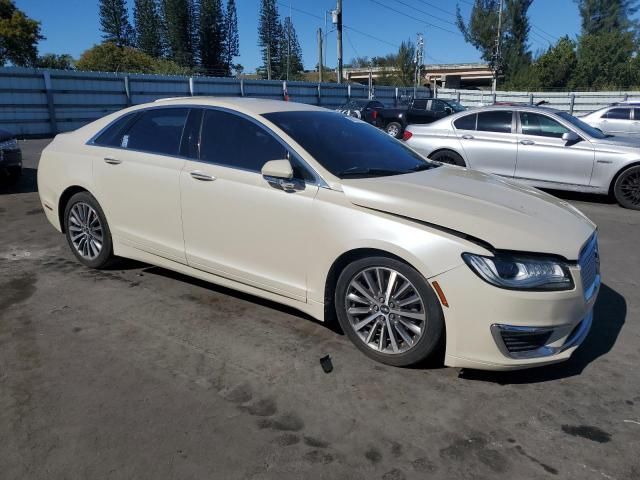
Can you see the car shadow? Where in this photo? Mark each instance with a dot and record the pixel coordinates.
(331, 323)
(610, 312)
(582, 197)
(28, 183)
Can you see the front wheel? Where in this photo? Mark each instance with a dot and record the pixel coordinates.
(627, 188)
(389, 311)
(394, 129)
(87, 231)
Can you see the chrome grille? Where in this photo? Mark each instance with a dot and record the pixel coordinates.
(589, 262)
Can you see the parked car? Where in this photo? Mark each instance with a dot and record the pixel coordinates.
(366, 110)
(419, 111)
(330, 215)
(540, 146)
(616, 119)
(10, 157)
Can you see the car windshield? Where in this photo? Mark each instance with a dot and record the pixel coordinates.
(348, 147)
(576, 122)
(457, 107)
(354, 104)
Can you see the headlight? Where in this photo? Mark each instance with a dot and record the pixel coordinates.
(9, 144)
(520, 272)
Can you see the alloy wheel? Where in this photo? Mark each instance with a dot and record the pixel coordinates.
(385, 310)
(85, 230)
(393, 130)
(630, 188)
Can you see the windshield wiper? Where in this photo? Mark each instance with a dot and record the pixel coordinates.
(424, 166)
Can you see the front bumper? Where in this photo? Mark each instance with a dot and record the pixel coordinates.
(490, 328)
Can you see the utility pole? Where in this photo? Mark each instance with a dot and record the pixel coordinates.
(370, 80)
(289, 41)
(418, 59)
(320, 66)
(337, 19)
(497, 54)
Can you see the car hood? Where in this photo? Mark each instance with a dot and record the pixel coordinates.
(505, 214)
(618, 141)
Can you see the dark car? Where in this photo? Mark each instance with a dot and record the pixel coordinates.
(419, 111)
(10, 157)
(366, 110)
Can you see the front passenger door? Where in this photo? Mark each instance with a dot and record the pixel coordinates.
(544, 156)
(236, 224)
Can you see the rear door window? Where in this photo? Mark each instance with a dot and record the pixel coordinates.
(468, 122)
(498, 121)
(112, 135)
(157, 130)
(420, 104)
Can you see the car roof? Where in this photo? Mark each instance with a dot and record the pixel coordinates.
(528, 108)
(253, 105)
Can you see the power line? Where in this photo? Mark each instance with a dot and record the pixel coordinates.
(438, 8)
(425, 13)
(421, 21)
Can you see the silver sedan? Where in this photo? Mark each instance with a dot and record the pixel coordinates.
(540, 146)
(616, 119)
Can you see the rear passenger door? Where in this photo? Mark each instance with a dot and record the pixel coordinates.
(489, 141)
(136, 169)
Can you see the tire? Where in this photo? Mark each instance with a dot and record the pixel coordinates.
(87, 231)
(415, 338)
(394, 129)
(627, 188)
(449, 157)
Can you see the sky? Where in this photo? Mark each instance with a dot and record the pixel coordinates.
(372, 27)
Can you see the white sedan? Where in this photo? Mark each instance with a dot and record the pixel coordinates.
(330, 215)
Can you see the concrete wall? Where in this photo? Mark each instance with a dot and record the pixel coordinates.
(577, 103)
(44, 102)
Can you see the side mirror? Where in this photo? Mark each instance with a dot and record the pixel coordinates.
(448, 110)
(279, 173)
(570, 137)
(278, 169)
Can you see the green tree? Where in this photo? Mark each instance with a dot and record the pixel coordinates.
(211, 38)
(605, 61)
(19, 36)
(269, 37)
(178, 18)
(57, 62)
(600, 16)
(109, 57)
(290, 52)
(114, 22)
(232, 40)
(148, 27)
(555, 67)
(482, 30)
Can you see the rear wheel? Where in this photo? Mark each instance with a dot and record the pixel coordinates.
(394, 129)
(87, 231)
(627, 188)
(448, 156)
(389, 311)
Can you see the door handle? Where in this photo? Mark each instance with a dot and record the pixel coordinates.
(527, 142)
(202, 176)
(112, 161)
(468, 137)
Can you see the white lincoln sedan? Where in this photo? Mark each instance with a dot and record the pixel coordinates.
(330, 215)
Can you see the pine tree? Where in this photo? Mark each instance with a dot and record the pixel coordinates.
(211, 39)
(114, 22)
(269, 38)
(232, 42)
(290, 53)
(605, 16)
(148, 27)
(178, 17)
